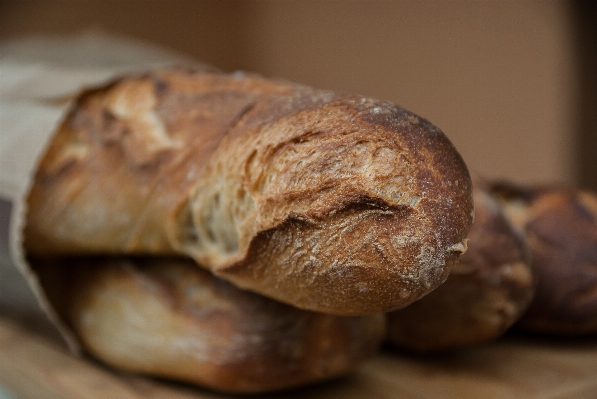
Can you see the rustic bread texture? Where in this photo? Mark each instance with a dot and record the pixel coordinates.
(561, 229)
(487, 291)
(168, 318)
(326, 201)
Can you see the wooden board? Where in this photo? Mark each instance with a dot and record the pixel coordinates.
(37, 365)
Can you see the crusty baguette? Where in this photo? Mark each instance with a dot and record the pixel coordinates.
(487, 291)
(561, 229)
(169, 318)
(326, 201)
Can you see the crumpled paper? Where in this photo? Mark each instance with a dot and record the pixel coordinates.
(39, 78)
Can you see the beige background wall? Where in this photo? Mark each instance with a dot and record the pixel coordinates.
(497, 77)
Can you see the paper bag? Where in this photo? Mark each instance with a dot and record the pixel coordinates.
(39, 77)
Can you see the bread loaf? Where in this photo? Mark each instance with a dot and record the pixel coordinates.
(487, 291)
(168, 318)
(326, 201)
(561, 229)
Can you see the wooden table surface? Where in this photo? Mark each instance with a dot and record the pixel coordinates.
(35, 364)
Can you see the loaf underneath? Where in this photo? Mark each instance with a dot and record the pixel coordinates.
(170, 319)
(326, 201)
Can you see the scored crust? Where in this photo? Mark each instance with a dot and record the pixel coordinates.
(323, 200)
(487, 291)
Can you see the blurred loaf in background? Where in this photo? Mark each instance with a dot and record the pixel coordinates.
(560, 227)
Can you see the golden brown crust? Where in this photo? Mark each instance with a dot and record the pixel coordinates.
(327, 201)
(561, 228)
(168, 318)
(487, 291)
